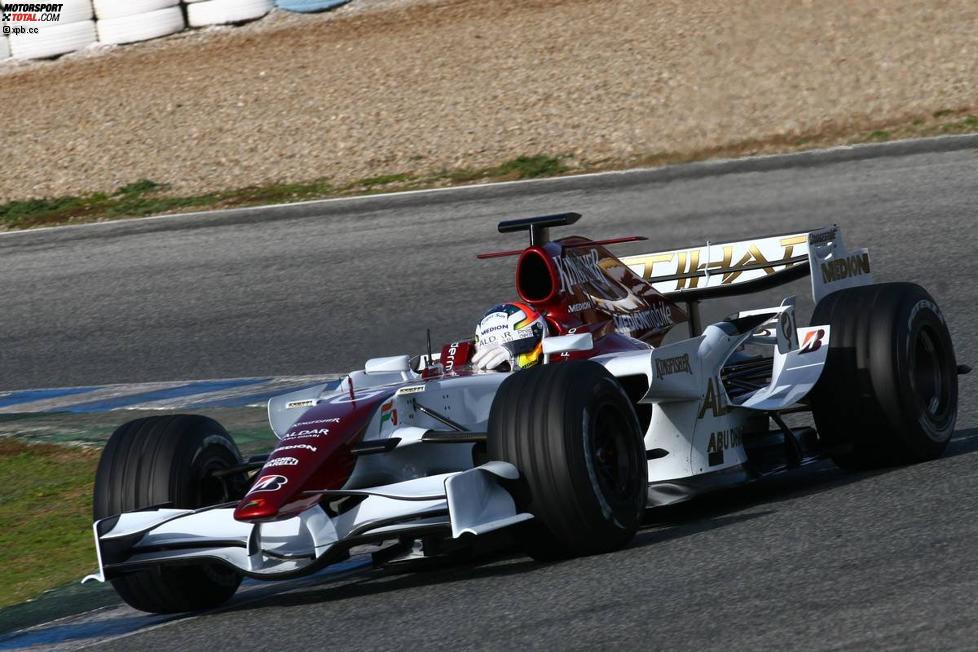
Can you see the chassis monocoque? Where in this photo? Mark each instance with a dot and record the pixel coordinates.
(418, 456)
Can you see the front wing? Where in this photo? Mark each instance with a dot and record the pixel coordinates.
(471, 502)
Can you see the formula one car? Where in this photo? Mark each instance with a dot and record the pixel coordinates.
(421, 456)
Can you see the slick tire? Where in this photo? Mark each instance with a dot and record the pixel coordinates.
(141, 27)
(574, 436)
(219, 12)
(888, 394)
(53, 40)
(169, 460)
(109, 9)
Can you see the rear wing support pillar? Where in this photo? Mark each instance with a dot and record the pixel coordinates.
(695, 322)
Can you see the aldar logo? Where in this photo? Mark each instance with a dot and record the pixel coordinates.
(269, 483)
(712, 402)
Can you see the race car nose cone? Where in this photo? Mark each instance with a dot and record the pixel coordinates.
(255, 509)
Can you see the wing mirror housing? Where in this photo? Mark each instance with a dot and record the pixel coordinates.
(566, 344)
(392, 364)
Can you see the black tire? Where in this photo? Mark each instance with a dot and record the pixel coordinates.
(573, 434)
(889, 392)
(169, 460)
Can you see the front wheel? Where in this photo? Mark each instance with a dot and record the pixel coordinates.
(574, 436)
(889, 390)
(169, 460)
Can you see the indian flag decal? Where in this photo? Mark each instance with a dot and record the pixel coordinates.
(388, 414)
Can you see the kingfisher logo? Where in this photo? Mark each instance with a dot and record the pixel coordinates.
(575, 271)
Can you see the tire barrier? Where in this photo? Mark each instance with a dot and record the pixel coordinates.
(309, 6)
(108, 9)
(129, 21)
(74, 11)
(74, 30)
(53, 39)
(141, 27)
(220, 12)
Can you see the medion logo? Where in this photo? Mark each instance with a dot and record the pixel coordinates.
(836, 270)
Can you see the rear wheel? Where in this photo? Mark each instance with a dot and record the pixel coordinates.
(169, 460)
(573, 434)
(889, 391)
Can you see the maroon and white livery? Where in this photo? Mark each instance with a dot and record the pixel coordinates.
(416, 456)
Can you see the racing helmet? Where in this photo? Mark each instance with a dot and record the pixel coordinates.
(509, 332)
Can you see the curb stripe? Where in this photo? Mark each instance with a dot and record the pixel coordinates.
(31, 395)
(255, 400)
(173, 395)
(161, 394)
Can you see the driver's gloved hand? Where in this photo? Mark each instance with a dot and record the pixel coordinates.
(491, 357)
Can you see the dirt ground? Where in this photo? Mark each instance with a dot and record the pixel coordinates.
(444, 84)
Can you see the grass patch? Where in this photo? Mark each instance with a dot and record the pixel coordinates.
(383, 180)
(965, 125)
(147, 197)
(45, 517)
(531, 167)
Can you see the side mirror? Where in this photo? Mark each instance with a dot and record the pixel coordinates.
(566, 343)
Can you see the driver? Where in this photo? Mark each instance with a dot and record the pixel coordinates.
(510, 334)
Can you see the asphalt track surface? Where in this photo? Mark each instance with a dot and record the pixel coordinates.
(819, 560)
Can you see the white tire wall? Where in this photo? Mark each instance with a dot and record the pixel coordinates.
(4, 48)
(75, 11)
(219, 12)
(141, 27)
(108, 9)
(53, 39)
(72, 11)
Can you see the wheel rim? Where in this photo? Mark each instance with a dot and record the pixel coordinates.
(612, 457)
(928, 378)
(211, 488)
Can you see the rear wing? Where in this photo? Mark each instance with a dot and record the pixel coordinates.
(725, 269)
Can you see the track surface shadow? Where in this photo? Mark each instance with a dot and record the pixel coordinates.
(701, 514)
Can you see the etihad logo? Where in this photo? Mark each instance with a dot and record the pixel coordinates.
(700, 266)
(836, 270)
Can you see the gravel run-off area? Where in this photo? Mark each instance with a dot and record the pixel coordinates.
(419, 87)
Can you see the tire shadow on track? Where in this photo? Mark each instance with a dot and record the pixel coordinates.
(701, 514)
(817, 478)
(505, 560)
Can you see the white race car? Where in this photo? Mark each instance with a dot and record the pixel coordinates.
(419, 456)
